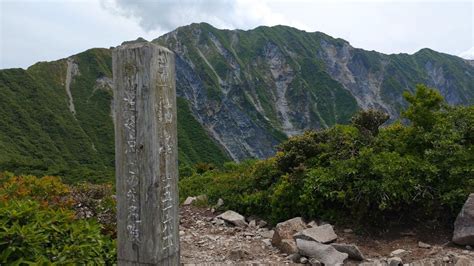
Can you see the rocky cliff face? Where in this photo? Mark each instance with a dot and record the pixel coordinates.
(240, 94)
(251, 89)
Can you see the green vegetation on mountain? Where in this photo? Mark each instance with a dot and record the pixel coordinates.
(240, 94)
(355, 174)
(39, 135)
(194, 143)
(398, 173)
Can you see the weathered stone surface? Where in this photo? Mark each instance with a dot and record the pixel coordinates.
(323, 234)
(288, 246)
(295, 257)
(374, 263)
(253, 224)
(146, 154)
(202, 198)
(286, 230)
(238, 254)
(233, 218)
(267, 233)
(350, 249)
(463, 261)
(189, 201)
(398, 252)
(303, 260)
(220, 203)
(326, 254)
(313, 224)
(464, 224)
(395, 261)
(423, 245)
(314, 262)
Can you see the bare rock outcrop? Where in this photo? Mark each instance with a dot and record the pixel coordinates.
(464, 224)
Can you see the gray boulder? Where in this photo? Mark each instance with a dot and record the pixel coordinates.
(288, 246)
(464, 224)
(322, 234)
(189, 201)
(350, 249)
(395, 261)
(285, 231)
(233, 218)
(326, 254)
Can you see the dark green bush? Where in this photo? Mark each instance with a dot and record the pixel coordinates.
(32, 234)
(359, 173)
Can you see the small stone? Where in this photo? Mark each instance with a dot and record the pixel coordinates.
(253, 224)
(267, 242)
(233, 218)
(313, 224)
(314, 262)
(220, 203)
(303, 260)
(189, 201)
(262, 224)
(238, 254)
(468, 247)
(423, 245)
(267, 233)
(322, 234)
(295, 257)
(348, 231)
(395, 261)
(398, 252)
(446, 259)
(181, 233)
(350, 249)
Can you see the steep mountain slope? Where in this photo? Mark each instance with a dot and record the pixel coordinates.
(240, 94)
(56, 119)
(253, 88)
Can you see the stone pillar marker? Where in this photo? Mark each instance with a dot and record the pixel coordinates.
(146, 154)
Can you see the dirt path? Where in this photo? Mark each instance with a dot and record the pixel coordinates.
(205, 242)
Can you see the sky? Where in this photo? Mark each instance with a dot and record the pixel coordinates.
(46, 30)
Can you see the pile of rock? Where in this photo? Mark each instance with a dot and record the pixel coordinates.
(317, 244)
(312, 243)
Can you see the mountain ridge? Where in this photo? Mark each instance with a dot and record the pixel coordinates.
(240, 93)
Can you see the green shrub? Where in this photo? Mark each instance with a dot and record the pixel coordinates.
(32, 234)
(359, 173)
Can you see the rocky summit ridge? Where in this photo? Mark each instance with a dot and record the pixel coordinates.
(240, 93)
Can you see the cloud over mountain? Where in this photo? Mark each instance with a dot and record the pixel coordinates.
(169, 14)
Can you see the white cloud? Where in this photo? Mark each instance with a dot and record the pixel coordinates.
(468, 54)
(166, 15)
(38, 30)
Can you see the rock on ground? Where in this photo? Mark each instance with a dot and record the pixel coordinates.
(233, 218)
(464, 224)
(350, 249)
(285, 231)
(326, 254)
(189, 201)
(322, 234)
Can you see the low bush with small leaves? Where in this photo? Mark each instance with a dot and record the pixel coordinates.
(30, 233)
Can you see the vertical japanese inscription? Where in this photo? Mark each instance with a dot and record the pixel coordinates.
(130, 130)
(165, 117)
(146, 155)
